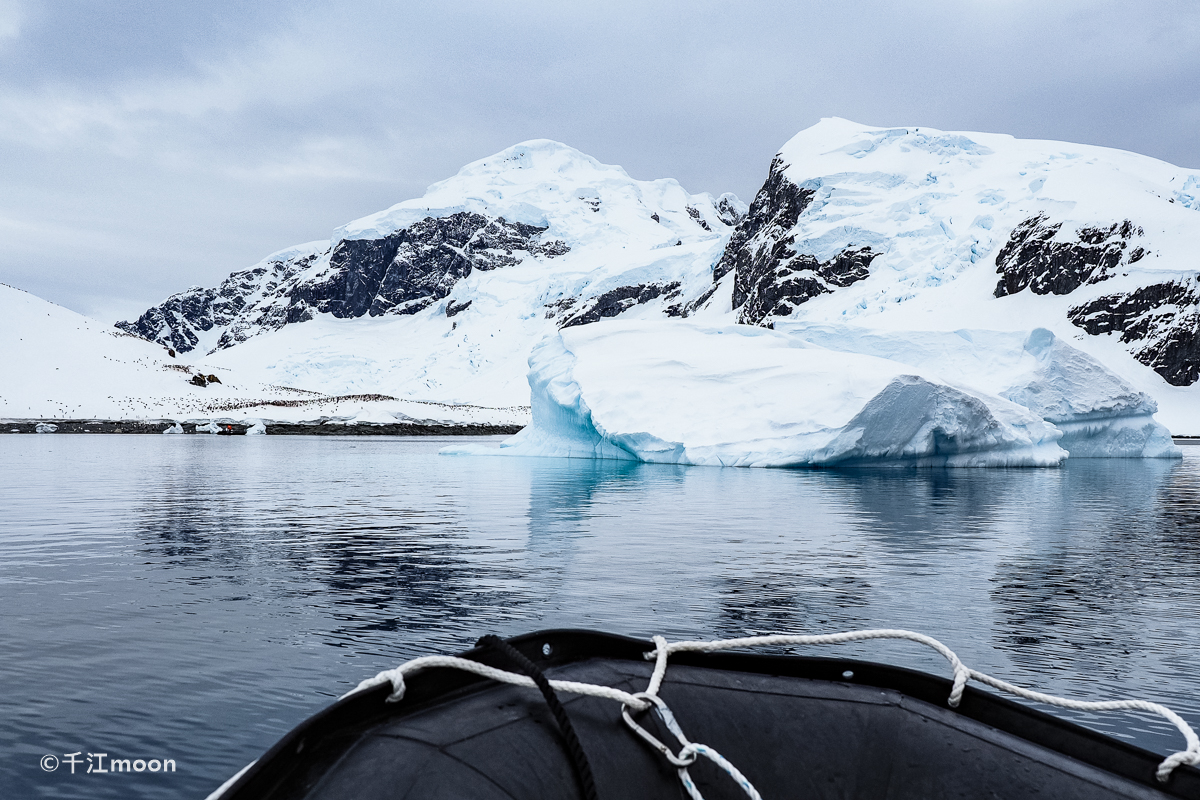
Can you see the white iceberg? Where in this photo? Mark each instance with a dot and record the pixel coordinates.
(738, 395)
(1100, 414)
(259, 428)
(211, 427)
(682, 393)
(176, 428)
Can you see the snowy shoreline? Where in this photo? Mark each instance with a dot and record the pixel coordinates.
(232, 427)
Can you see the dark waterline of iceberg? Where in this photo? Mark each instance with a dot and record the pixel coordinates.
(192, 598)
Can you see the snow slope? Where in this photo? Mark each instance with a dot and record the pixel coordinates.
(61, 365)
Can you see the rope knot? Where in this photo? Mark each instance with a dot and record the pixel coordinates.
(398, 688)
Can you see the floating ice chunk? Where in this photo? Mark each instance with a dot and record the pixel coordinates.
(176, 428)
(211, 427)
(745, 396)
(259, 428)
(45, 427)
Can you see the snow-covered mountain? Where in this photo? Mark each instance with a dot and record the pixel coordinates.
(442, 297)
(902, 227)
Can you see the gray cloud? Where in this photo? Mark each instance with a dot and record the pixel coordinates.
(150, 146)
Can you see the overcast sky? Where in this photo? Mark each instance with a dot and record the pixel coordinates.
(149, 146)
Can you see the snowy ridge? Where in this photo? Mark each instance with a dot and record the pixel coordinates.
(568, 228)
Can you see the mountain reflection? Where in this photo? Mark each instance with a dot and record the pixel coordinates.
(373, 565)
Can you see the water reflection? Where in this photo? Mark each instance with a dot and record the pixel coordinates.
(771, 601)
(241, 584)
(922, 508)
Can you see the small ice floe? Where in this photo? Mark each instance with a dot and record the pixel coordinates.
(211, 427)
(176, 428)
(259, 428)
(46, 427)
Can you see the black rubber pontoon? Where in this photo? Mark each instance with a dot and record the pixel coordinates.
(796, 727)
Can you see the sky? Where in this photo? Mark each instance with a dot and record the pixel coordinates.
(146, 147)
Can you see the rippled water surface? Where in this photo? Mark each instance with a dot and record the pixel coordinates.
(194, 597)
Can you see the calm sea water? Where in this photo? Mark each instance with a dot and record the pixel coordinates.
(194, 597)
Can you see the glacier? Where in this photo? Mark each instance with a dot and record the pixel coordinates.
(736, 395)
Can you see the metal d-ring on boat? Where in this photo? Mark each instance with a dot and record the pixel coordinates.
(766, 726)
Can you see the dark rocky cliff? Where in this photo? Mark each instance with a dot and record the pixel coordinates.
(1037, 258)
(401, 273)
(1160, 321)
(180, 319)
(770, 278)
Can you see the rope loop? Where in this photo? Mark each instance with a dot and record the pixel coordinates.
(687, 754)
(688, 751)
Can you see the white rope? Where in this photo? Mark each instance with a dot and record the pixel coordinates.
(962, 673)
(396, 678)
(690, 750)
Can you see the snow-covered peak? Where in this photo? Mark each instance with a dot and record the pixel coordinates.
(996, 172)
(916, 228)
(548, 184)
(532, 239)
(538, 159)
(919, 209)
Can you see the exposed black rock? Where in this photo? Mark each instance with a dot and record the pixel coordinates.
(177, 322)
(694, 213)
(453, 310)
(560, 307)
(688, 308)
(401, 273)
(763, 237)
(414, 267)
(776, 293)
(730, 214)
(1032, 259)
(1162, 319)
(770, 277)
(612, 303)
